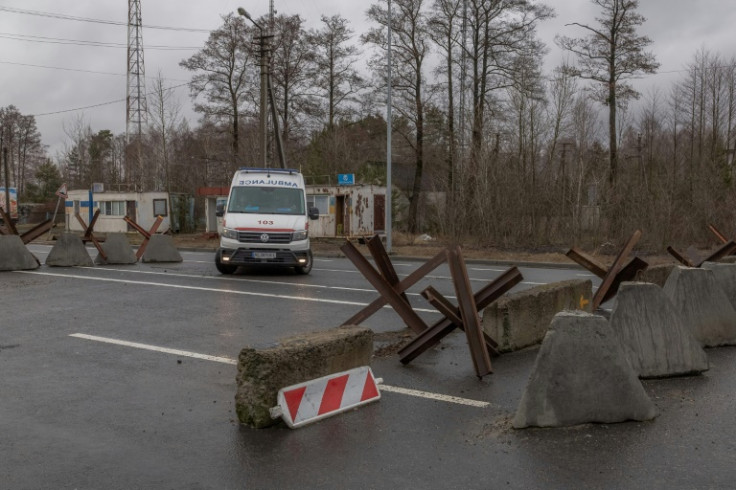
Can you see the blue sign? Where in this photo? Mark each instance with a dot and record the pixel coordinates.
(345, 179)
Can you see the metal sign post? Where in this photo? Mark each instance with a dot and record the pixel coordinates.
(61, 194)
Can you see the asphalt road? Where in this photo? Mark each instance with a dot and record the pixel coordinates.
(80, 410)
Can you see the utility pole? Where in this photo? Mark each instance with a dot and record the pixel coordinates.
(7, 181)
(389, 130)
(264, 52)
(136, 107)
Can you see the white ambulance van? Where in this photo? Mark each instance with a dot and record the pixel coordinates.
(266, 221)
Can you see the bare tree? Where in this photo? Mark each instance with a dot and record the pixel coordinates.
(290, 71)
(164, 118)
(500, 31)
(610, 54)
(333, 72)
(445, 29)
(224, 76)
(410, 48)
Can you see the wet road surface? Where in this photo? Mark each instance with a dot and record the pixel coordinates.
(77, 411)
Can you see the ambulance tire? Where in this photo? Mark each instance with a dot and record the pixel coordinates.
(224, 268)
(305, 269)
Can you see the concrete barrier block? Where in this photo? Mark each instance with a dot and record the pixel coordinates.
(521, 319)
(14, 256)
(161, 248)
(729, 259)
(702, 305)
(656, 274)
(725, 276)
(655, 340)
(263, 372)
(69, 251)
(581, 375)
(118, 250)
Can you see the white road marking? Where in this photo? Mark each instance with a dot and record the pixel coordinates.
(215, 290)
(434, 396)
(234, 362)
(136, 345)
(233, 279)
(243, 280)
(484, 269)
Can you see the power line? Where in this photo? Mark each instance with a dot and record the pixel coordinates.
(100, 104)
(78, 70)
(79, 42)
(94, 21)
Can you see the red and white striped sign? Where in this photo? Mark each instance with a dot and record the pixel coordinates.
(308, 402)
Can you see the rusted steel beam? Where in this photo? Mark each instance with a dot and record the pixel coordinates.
(680, 258)
(718, 234)
(36, 231)
(383, 262)
(587, 261)
(452, 313)
(726, 249)
(88, 228)
(393, 298)
(469, 313)
(146, 234)
(614, 270)
(694, 257)
(443, 305)
(8, 222)
(405, 284)
(89, 235)
(484, 297)
(627, 273)
(137, 227)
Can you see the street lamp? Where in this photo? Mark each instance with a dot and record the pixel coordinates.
(264, 81)
(389, 130)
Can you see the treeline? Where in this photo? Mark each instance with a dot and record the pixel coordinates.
(486, 149)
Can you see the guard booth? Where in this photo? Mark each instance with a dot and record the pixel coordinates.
(347, 211)
(141, 207)
(213, 196)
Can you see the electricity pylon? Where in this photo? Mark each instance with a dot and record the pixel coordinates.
(136, 107)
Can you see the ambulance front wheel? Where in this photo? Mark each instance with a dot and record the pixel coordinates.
(223, 268)
(306, 268)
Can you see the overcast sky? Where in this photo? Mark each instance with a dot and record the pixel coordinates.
(54, 76)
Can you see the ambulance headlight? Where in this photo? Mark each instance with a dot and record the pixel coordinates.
(230, 233)
(299, 235)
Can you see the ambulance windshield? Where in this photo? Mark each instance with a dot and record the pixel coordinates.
(266, 200)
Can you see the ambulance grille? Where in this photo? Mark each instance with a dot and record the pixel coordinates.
(257, 237)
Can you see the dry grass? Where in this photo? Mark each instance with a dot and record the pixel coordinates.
(420, 246)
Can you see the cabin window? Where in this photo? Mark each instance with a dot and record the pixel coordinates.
(159, 207)
(321, 202)
(112, 208)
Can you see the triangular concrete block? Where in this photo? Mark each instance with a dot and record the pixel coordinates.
(702, 305)
(581, 375)
(118, 250)
(725, 275)
(161, 248)
(69, 251)
(14, 256)
(655, 340)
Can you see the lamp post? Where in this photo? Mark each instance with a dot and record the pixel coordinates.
(264, 81)
(389, 130)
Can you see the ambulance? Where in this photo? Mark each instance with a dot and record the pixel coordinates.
(266, 221)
